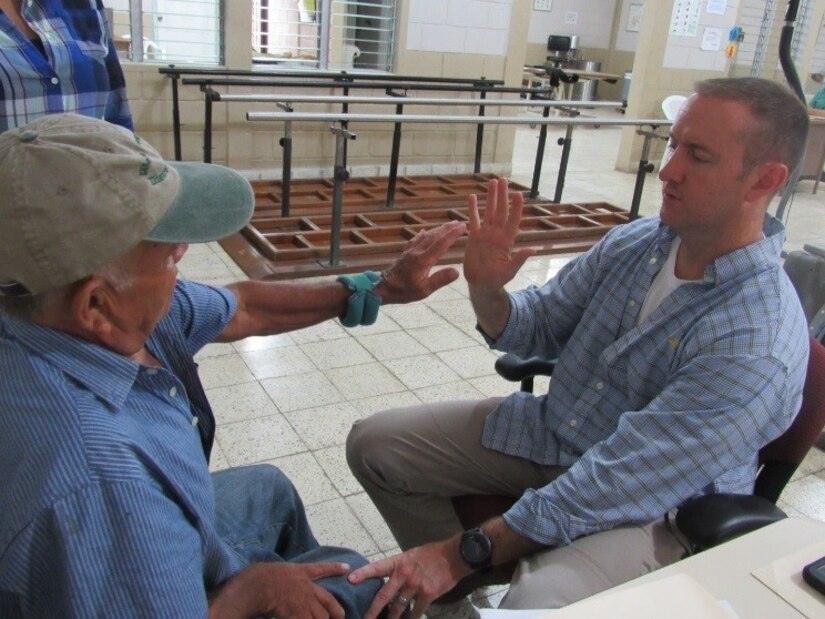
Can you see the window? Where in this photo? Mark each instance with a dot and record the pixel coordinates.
(331, 35)
(761, 21)
(182, 31)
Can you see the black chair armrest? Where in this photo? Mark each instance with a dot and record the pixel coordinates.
(514, 368)
(709, 520)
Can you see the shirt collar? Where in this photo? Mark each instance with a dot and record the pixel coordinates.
(108, 375)
(757, 256)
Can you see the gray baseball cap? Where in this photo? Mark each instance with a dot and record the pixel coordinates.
(76, 193)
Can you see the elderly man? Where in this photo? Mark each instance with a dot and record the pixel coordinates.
(681, 350)
(105, 431)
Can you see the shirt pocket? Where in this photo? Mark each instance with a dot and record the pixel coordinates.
(87, 30)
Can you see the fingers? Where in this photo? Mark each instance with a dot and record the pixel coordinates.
(502, 210)
(502, 202)
(329, 603)
(474, 222)
(441, 278)
(315, 571)
(376, 569)
(400, 605)
(492, 199)
(387, 596)
(436, 241)
(384, 599)
(519, 257)
(445, 235)
(514, 217)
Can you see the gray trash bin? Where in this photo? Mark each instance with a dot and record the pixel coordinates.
(626, 85)
(584, 90)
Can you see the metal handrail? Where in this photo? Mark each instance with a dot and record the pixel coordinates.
(435, 118)
(342, 134)
(340, 79)
(482, 86)
(337, 75)
(277, 98)
(211, 96)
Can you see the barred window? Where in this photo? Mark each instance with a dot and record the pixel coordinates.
(330, 35)
(181, 31)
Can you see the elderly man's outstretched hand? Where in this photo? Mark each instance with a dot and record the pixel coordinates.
(409, 278)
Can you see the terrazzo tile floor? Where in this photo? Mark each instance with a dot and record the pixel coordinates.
(290, 399)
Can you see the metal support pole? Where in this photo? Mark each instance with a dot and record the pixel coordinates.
(340, 176)
(644, 168)
(396, 150)
(207, 126)
(135, 31)
(286, 168)
(479, 135)
(534, 187)
(176, 114)
(565, 143)
(345, 123)
(788, 68)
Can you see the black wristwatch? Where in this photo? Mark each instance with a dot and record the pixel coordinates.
(476, 548)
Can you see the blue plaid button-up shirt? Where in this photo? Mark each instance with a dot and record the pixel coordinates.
(647, 415)
(80, 71)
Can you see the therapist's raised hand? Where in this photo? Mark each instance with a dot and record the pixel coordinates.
(490, 260)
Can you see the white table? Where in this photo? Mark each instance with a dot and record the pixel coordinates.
(725, 571)
(725, 574)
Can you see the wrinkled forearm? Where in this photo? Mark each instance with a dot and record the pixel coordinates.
(267, 308)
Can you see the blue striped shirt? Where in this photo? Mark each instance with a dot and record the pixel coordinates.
(107, 502)
(647, 415)
(80, 71)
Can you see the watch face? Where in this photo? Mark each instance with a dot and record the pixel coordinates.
(476, 548)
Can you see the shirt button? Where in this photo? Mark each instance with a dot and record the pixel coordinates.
(151, 371)
(55, 81)
(599, 386)
(572, 423)
(632, 303)
(194, 421)
(173, 391)
(654, 260)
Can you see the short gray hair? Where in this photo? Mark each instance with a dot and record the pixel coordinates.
(781, 131)
(29, 308)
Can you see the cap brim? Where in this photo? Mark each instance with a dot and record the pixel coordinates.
(212, 202)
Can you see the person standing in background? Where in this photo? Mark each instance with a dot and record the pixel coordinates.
(57, 56)
(816, 106)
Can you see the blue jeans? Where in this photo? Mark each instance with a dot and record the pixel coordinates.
(261, 516)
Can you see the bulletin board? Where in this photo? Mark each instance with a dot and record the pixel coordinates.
(697, 35)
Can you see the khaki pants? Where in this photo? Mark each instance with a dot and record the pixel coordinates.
(411, 462)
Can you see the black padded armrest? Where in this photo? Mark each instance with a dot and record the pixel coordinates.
(709, 520)
(513, 368)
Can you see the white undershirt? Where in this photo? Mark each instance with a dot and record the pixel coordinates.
(664, 283)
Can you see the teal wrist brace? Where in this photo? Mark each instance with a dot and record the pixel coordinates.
(363, 303)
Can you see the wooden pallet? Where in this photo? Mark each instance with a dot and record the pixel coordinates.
(314, 196)
(372, 236)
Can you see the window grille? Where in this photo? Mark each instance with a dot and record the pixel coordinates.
(180, 31)
(330, 35)
(818, 59)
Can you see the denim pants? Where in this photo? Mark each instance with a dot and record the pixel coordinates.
(261, 516)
